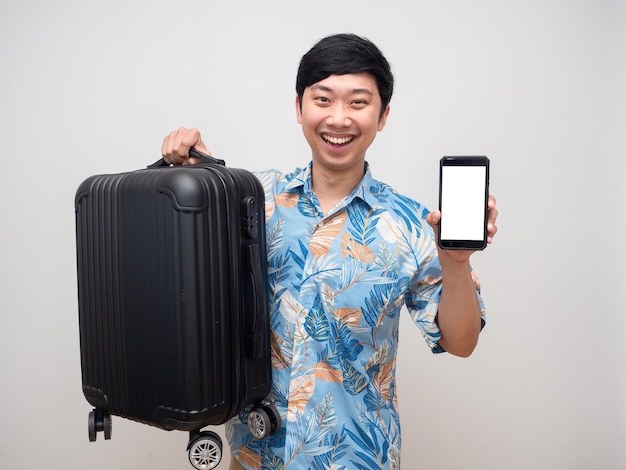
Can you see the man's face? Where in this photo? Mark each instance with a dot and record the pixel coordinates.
(340, 117)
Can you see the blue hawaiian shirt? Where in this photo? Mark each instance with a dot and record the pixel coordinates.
(337, 284)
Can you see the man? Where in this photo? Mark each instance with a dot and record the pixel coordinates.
(345, 253)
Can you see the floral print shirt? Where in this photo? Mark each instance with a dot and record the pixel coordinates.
(337, 284)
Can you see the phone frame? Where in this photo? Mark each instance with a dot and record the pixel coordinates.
(459, 244)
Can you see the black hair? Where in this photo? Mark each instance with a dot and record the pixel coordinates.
(342, 54)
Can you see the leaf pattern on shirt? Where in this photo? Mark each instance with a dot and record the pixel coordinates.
(249, 458)
(325, 371)
(279, 352)
(383, 380)
(370, 450)
(300, 391)
(274, 238)
(269, 209)
(379, 304)
(316, 323)
(324, 237)
(354, 382)
(337, 447)
(315, 428)
(320, 421)
(306, 206)
(290, 309)
(350, 316)
(287, 200)
(363, 224)
(350, 247)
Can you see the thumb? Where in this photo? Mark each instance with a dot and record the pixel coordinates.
(201, 147)
(433, 219)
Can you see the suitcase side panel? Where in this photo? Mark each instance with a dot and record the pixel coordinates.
(141, 331)
(101, 334)
(205, 260)
(249, 319)
(154, 246)
(254, 355)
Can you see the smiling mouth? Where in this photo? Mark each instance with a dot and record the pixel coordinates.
(337, 141)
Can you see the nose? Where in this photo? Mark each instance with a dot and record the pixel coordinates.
(338, 116)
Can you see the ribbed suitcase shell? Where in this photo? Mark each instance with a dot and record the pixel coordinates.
(174, 329)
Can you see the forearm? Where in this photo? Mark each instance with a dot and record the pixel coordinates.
(459, 315)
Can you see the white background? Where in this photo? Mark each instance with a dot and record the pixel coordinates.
(536, 85)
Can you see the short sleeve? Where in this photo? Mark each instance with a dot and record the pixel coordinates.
(423, 296)
(422, 302)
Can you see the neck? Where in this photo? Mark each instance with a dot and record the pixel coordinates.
(330, 186)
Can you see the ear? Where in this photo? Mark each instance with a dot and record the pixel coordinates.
(298, 110)
(383, 119)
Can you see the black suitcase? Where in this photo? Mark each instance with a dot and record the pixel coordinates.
(174, 327)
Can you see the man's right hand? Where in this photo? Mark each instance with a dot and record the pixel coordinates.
(176, 145)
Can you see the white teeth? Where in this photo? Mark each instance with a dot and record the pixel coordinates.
(337, 140)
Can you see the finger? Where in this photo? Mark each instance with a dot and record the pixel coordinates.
(197, 143)
(433, 218)
(175, 147)
(192, 161)
(185, 139)
(492, 216)
(166, 148)
(180, 148)
(492, 229)
(171, 150)
(492, 210)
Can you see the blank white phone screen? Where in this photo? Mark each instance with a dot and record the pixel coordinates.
(463, 202)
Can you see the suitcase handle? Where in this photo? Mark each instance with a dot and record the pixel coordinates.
(204, 158)
(258, 332)
(253, 281)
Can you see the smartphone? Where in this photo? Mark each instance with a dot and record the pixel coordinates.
(463, 196)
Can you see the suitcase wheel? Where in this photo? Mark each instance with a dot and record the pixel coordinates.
(99, 420)
(263, 421)
(204, 450)
(259, 423)
(275, 421)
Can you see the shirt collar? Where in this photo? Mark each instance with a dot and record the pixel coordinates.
(368, 190)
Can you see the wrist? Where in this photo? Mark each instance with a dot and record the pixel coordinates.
(454, 260)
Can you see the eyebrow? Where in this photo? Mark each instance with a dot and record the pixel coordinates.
(355, 91)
